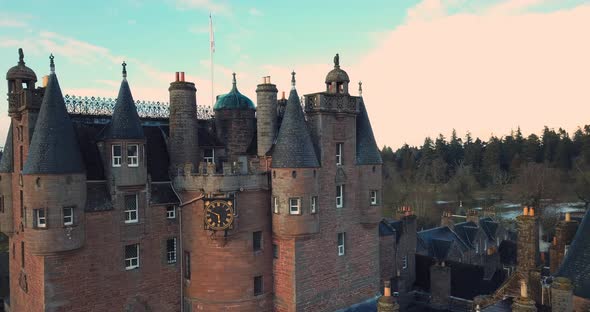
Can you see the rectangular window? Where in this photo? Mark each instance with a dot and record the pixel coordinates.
(275, 204)
(187, 265)
(170, 212)
(257, 240)
(258, 285)
(314, 204)
(404, 262)
(22, 162)
(338, 153)
(68, 215)
(131, 208)
(341, 239)
(131, 257)
(39, 217)
(294, 206)
(209, 155)
(374, 199)
(1, 204)
(117, 154)
(171, 250)
(275, 251)
(339, 196)
(22, 254)
(132, 155)
(22, 205)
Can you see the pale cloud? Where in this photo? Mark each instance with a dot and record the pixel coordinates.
(255, 12)
(206, 5)
(14, 20)
(514, 6)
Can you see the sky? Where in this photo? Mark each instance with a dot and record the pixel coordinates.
(427, 66)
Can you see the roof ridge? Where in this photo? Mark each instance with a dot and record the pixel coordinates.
(6, 163)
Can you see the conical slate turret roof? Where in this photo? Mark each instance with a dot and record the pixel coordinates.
(54, 147)
(294, 148)
(6, 164)
(575, 265)
(367, 152)
(125, 123)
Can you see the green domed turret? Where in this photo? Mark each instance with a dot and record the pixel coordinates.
(234, 99)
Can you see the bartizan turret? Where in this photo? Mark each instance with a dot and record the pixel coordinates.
(235, 122)
(295, 179)
(54, 179)
(6, 172)
(184, 140)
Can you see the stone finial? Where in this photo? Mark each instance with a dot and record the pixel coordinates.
(360, 88)
(124, 70)
(293, 80)
(337, 61)
(21, 57)
(233, 81)
(51, 64)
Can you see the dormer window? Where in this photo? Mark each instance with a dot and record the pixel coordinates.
(339, 153)
(132, 155)
(117, 155)
(209, 155)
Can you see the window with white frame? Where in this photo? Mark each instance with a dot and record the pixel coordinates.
(171, 250)
(40, 218)
(116, 155)
(404, 262)
(374, 197)
(314, 204)
(131, 257)
(341, 239)
(68, 215)
(339, 196)
(170, 212)
(339, 153)
(132, 155)
(275, 204)
(294, 206)
(209, 155)
(131, 208)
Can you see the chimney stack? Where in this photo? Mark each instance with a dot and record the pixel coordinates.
(568, 217)
(177, 77)
(386, 303)
(182, 76)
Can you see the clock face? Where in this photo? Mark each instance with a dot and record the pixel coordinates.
(219, 214)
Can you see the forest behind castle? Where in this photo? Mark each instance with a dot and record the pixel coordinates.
(552, 166)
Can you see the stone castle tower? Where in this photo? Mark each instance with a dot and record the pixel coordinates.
(273, 207)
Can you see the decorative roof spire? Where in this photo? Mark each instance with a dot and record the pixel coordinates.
(360, 88)
(293, 80)
(337, 61)
(51, 64)
(21, 57)
(233, 81)
(124, 70)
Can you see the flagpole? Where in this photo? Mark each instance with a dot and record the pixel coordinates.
(211, 51)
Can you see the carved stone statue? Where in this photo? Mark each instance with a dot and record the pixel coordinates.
(21, 56)
(337, 60)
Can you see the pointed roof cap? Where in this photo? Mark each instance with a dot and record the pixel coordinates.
(54, 147)
(294, 148)
(367, 152)
(6, 163)
(575, 265)
(125, 123)
(234, 99)
(21, 71)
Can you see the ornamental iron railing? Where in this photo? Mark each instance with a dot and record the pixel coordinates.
(103, 106)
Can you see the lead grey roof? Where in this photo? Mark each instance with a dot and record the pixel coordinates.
(367, 152)
(575, 265)
(294, 148)
(125, 123)
(54, 147)
(6, 163)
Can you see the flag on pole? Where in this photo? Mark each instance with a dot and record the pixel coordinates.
(211, 36)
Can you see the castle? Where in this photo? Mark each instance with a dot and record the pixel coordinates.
(267, 207)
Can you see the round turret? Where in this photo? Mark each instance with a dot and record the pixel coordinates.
(337, 79)
(21, 71)
(184, 141)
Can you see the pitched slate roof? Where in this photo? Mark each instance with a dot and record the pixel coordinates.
(162, 193)
(125, 123)
(294, 148)
(434, 241)
(575, 265)
(6, 162)
(97, 197)
(367, 152)
(489, 226)
(467, 231)
(54, 147)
